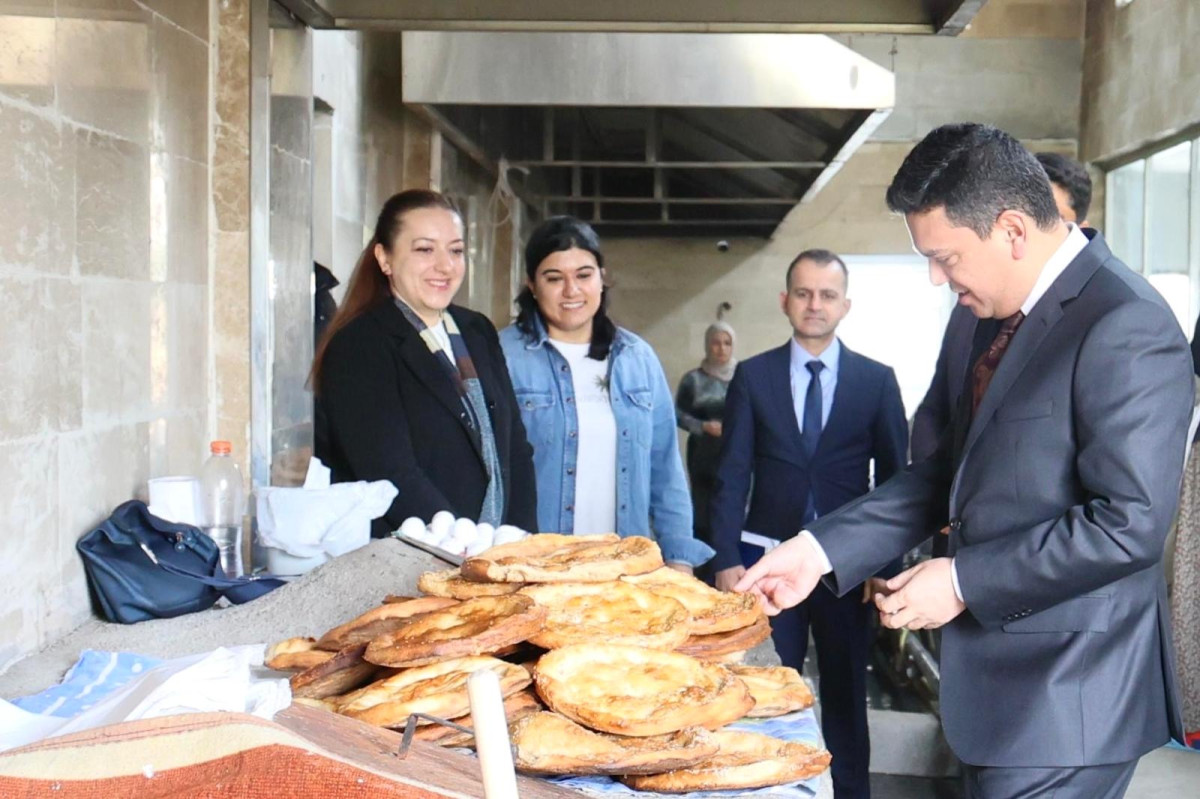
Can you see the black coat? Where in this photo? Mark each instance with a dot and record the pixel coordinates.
(391, 412)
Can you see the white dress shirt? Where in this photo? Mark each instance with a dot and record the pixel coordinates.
(1072, 245)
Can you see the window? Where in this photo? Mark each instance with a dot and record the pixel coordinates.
(1152, 221)
(898, 318)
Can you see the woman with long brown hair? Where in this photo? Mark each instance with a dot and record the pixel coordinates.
(414, 389)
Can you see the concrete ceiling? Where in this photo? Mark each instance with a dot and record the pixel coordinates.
(947, 17)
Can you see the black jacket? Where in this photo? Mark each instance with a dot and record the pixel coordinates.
(391, 412)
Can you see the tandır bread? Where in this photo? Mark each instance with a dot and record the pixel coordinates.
(295, 654)
(556, 558)
(437, 690)
(746, 760)
(776, 689)
(614, 612)
(712, 611)
(343, 672)
(549, 743)
(516, 707)
(377, 621)
(629, 690)
(714, 646)
(451, 583)
(475, 627)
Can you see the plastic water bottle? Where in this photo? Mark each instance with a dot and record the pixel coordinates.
(223, 505)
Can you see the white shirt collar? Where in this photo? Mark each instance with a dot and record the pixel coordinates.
(829, 357)
(1074, 244)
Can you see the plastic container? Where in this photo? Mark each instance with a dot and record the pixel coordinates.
(223, 504)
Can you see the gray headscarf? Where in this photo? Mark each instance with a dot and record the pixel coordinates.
(718, 370)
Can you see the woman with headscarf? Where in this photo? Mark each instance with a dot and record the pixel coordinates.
(699, 407)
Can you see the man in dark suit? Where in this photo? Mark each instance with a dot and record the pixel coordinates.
(1072, 189)
(1059, 477)
(803, 422)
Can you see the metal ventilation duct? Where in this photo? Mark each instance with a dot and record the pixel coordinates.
(650, 132)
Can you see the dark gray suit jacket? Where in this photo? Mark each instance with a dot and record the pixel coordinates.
(1059, 493)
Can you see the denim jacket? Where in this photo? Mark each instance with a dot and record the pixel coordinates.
(652, 494)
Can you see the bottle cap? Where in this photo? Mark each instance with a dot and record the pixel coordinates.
(221, 447)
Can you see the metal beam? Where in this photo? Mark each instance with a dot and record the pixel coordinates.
(697, 16)
(310, 12)
(456, 137)
(677, 164)
(587, 198)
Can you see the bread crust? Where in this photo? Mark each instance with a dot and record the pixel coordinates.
(439, 689)
(712, 611)
(450, 583)
(549, 743)
(475, 627)
(295, 654)
(516, 707)
(627, 690)
(377, 621)
(615, 612)
(343, 672)
(776, 689)
(713, 646)
(556, 558)
(745, 760)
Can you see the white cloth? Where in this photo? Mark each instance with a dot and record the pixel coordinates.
(220, 680)
(1060, 259)
(321, 518)
(596, 461)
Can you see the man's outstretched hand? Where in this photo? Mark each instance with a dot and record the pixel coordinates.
(784, 577)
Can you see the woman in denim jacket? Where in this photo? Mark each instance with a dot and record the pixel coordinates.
(595, 403)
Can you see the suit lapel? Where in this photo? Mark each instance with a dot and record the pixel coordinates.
(781, 395)
(424, 366)
(849, 387)
(1032, 332)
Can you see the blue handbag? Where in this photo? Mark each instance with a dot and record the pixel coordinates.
(142, 567)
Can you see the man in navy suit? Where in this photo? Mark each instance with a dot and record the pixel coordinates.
(803, 422)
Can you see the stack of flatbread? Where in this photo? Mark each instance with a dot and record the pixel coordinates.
(609, 662)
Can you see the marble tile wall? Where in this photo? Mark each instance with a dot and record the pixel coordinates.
(104, 253)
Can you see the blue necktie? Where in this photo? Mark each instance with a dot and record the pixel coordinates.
(811, 433)
(812, 409)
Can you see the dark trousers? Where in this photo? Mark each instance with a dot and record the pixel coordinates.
(841, 630)
(1087, 782)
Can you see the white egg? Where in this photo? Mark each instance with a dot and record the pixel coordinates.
(485, 536)
(441, 523)
(480, 545)
(464, 529)
(413, 527)
(506, 534)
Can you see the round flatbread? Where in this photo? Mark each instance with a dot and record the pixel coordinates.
(343, 672)
(555, 558)
(377, 621)
(516, 707)
(475, 627)
(714, 646)
(712, 611)
(776, 689)
(437, 690)
(628, 690)
(549, 743)
(295, 654)
(745, 760)
(614, 612)
(452, 584)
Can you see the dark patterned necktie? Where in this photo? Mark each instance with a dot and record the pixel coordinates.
(985, 367)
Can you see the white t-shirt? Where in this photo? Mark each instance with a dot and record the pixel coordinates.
(443, 339)
(596, 463)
